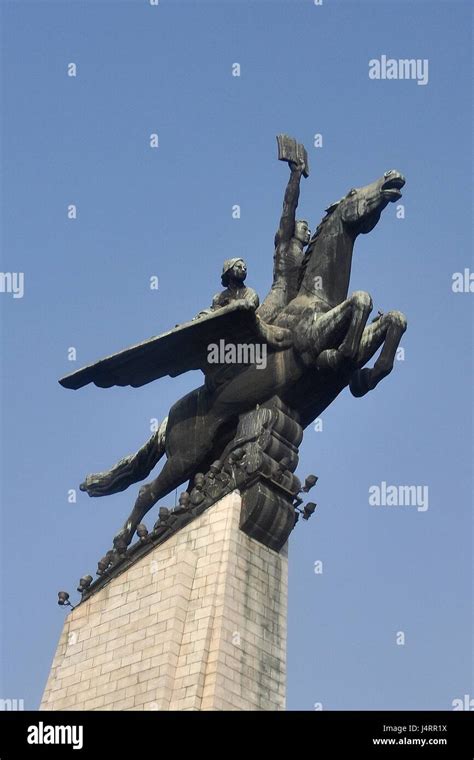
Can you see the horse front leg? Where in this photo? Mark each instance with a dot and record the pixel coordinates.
(386, 332)
(337, 333)
(361, 306)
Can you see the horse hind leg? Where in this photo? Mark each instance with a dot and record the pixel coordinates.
(174, 472)
(387, 331)
(130, 469)
(187, 445)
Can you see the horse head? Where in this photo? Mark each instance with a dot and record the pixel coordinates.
(326, 267)
(361, 208)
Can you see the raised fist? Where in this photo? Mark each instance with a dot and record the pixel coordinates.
(297, 166)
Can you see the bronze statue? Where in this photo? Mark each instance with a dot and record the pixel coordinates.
(183, 503)
(197, 496)
(318, 340)
(234, 274)
(290, 239)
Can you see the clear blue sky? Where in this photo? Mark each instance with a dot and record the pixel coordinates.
(167, 212)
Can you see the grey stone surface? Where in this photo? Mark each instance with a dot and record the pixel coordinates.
(197, 623)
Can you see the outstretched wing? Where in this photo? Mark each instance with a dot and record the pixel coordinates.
(180, 350)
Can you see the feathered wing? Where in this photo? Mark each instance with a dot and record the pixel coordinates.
(180, 350)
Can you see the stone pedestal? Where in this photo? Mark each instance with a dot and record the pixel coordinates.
(198, 623)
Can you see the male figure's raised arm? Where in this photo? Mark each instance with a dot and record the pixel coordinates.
(286, 229)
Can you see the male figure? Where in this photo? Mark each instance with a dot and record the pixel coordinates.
(290, 239)
(235, 466)
(183, 504)
(215, 482)
(197, 495)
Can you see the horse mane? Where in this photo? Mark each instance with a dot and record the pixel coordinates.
(319, 229)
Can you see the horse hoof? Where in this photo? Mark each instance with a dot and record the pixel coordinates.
(361, 382)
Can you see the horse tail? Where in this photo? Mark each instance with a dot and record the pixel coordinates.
(130, 469)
